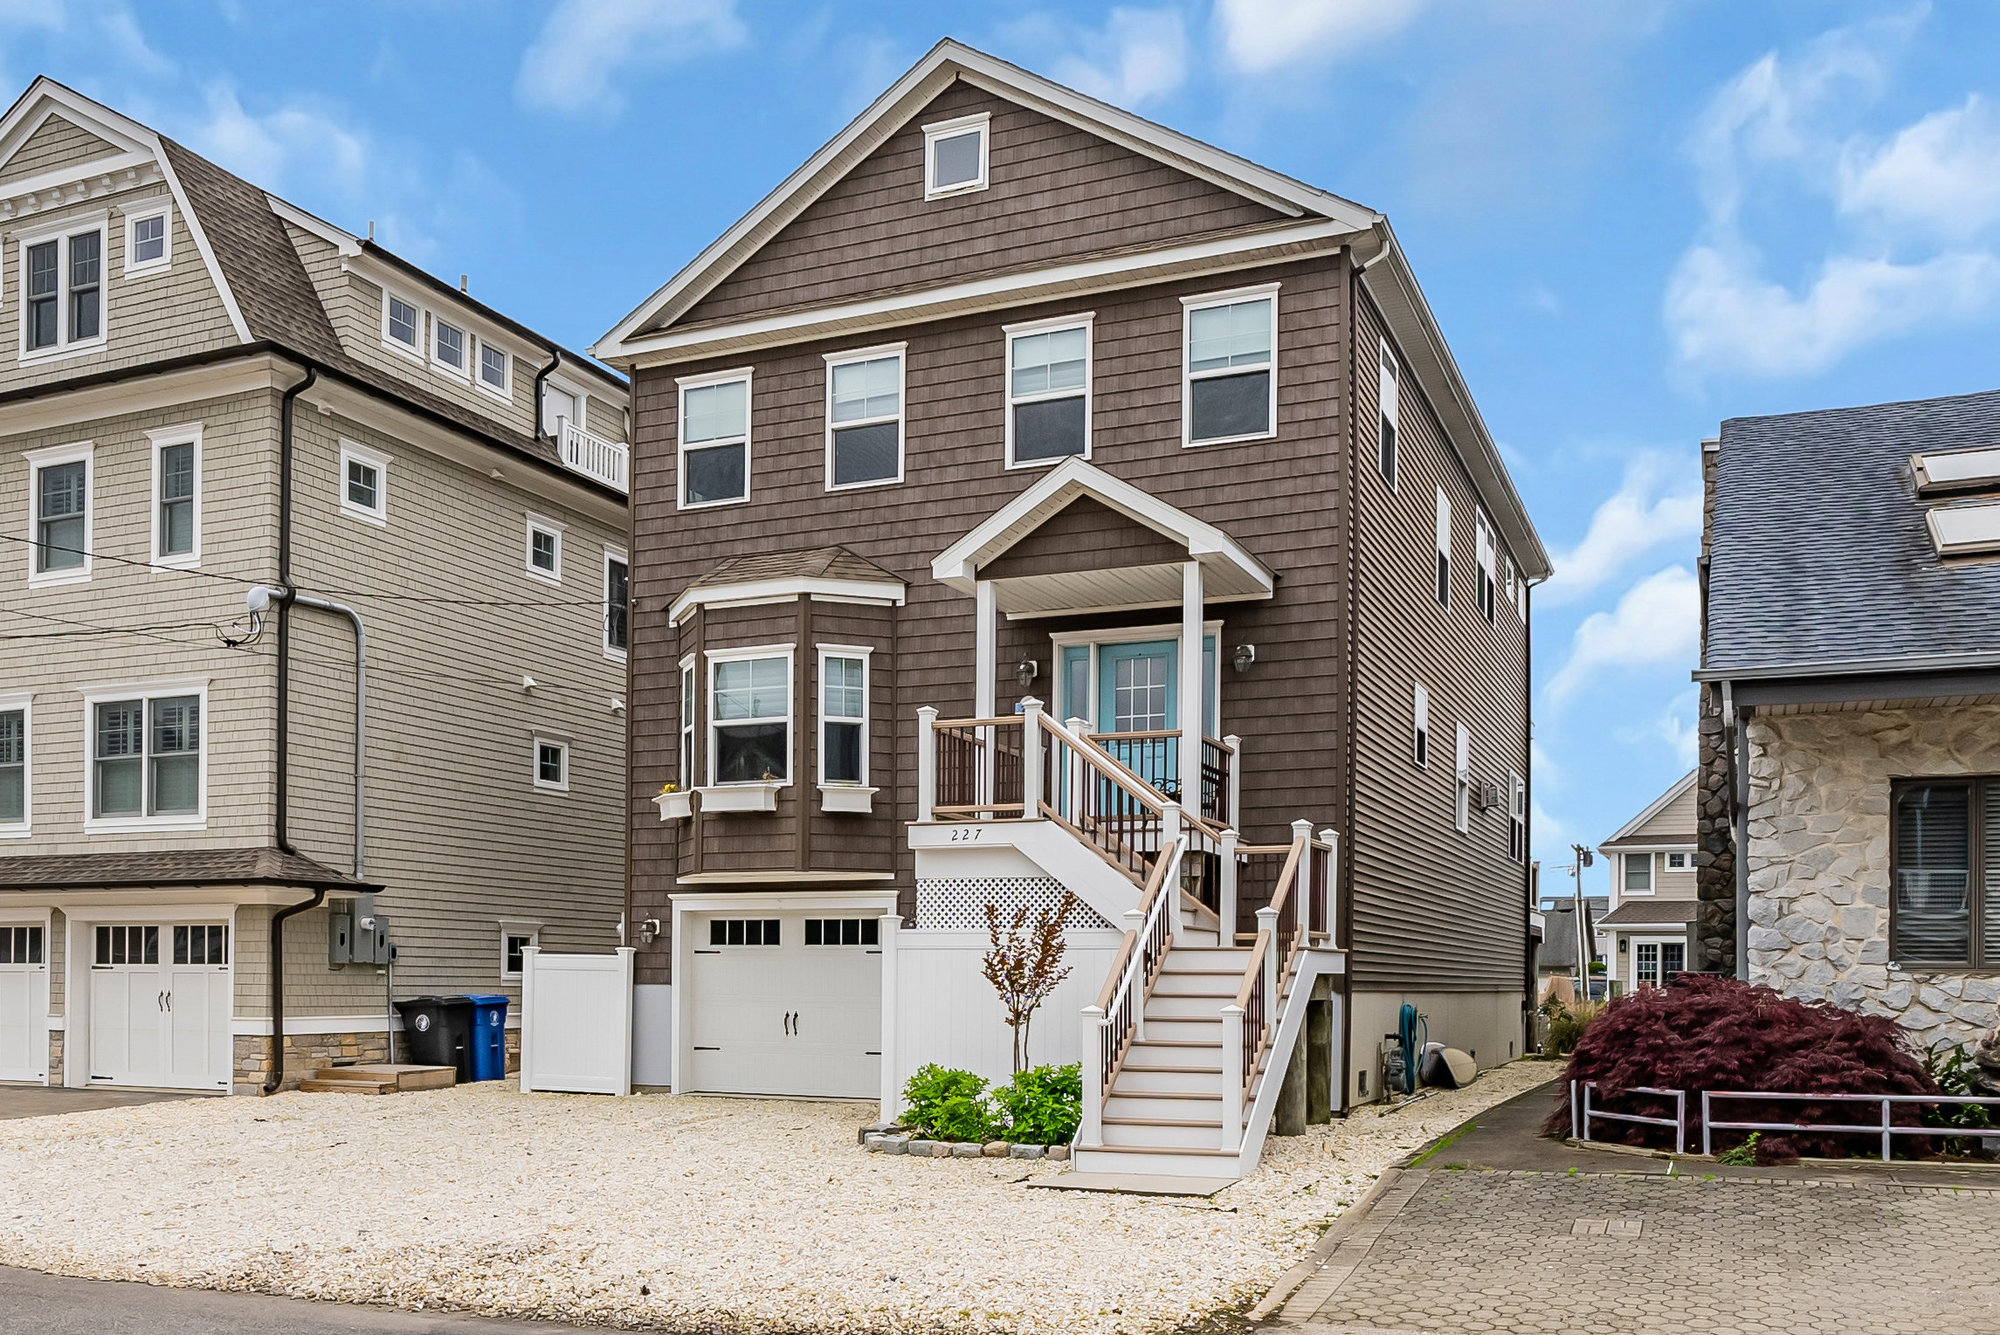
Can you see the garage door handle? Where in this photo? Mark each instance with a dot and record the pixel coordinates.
(795, 1024)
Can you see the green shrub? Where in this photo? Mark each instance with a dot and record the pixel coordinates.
(1043, 1104)
(1567, 1023)
(1742, 1155)
(948, 1105)
(1956, 1073)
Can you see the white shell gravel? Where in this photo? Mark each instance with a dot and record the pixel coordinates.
(689, 1213)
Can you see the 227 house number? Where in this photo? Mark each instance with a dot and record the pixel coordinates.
(968, 834)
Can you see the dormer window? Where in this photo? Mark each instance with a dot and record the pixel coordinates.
(955, 156)
(448, 346)
(62, 279)
(400, 323)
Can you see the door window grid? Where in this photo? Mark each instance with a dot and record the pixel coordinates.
(744, 932)
(843, 931)
(207, 944)
(20, 945)
(123, 944)
(1139, 694)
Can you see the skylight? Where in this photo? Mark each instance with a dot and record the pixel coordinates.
(1964, 530)
(1957, 470)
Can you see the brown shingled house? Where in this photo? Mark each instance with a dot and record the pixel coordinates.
(1028, 498)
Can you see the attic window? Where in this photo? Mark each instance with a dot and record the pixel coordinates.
(1965, 530)
(955, 156)
(1956, 470)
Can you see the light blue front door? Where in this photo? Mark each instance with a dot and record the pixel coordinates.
(1138, 691)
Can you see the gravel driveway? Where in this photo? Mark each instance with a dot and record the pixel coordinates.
(659, 1211)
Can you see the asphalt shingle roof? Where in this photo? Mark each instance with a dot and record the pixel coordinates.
(1819, 551)
(1647, 912)
(803, 563)
(190, 866)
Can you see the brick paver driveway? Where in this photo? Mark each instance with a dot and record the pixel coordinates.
(1502, 1231)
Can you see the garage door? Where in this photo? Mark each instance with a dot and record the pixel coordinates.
(24, 1001)
(160, 1005)
(786, 1004)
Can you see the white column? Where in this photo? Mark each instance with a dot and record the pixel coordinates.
(1235, 745)
(1331, 838)
(1226, 896)
(985, 641)
(1191, 682)
(1302, 833)
(1267, 921)
(1090, 1135)
(1031, 758)
(926, 760)
(891, 1089)
(1232, 1077)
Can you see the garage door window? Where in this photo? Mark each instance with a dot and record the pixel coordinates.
(128, 945)
(751, 730)
(743, 932)
(20, 945)
(201, 945)
(843, 931)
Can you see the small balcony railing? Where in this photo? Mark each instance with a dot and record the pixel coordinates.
(1156, 758)
(608, 461)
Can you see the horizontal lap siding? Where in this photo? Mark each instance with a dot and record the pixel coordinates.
(1432, 908)
(1056, 192)
(56, 142)
(1279, 498)
(1084, 536)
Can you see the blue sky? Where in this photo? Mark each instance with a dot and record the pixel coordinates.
(1634, 219)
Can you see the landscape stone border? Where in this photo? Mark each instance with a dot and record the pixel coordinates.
(878, 1138)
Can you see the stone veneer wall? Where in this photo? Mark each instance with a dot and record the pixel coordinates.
(306, 1052)
(1713, 937)
(1818, 859)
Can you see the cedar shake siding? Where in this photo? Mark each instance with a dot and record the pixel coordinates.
(1057, 193)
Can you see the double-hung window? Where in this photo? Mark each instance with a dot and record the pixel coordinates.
(1944, 858)
(448, 347)
(1638, 874)
(1230, 389)
(1517, 820)
(552, 765)
(364, 483)
(864, 417)
(177, 497)
(1461, 812)
(544, 549)
(1484, 549)
(62, 278)
(1443, 549)
(1386, 399)
(1048, 391)
(492, 368)
(402, 324)
(1420, 727)
(686, 769)
(843, 715)
(617, 603)
(59, 494)
(955, 156)
(14, 766)
(146, 757)
(715, 439)
(146, 242)
(750, 718)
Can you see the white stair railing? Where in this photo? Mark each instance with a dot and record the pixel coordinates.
(1118, 1016)
(608, 461)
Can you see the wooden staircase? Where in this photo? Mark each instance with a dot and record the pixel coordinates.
(378, 1078)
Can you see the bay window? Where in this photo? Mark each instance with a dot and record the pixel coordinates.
(750, 718)
(1229, 385)
(686, 768)
(1048, 391)
(715, 439)
(843, 714)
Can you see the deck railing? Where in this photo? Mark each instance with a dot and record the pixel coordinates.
(608, 461)
(1155, 757)
(1118, 1019)
(977, 767)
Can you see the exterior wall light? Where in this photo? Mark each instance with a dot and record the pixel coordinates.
(649, 931)
(1245, 655)
(1026, 671)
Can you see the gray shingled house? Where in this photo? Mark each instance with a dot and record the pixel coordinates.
(1850, 760)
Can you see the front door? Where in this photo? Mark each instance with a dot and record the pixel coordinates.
(24, 1000)
(1656, 962)
(160, 1005)
(1137, 705)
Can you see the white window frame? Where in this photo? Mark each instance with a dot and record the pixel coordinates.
(835, 359)
(611, 554)
(1660, 943)
(951, 129)
(163, 439)
(681, 447)
(164, 211)
(684, 759)
(352, 452)
(822, 718)
(468, 348)
(1461, 811)
(535, 765)
(1484, 553)
(1086, 321)
(719, 656)
(1517, 817)
(1420, 726)
(93, 696)
(1208, 301)
(513, 927)
(25, 702)
(414, 351)
(1441, 568)
(60, 232)
(1388, 399)
(50, 457)
(503, 390)
(1625, 863)
(542, 524)
(1681, 865)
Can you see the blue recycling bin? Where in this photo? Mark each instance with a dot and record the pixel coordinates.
(488, 1048)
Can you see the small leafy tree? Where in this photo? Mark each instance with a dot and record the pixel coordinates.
(1025, 964)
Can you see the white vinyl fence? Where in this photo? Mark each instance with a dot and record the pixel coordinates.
(576, 1023)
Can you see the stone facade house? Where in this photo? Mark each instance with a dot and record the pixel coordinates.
(1849, 808)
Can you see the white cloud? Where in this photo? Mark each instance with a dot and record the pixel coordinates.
(1659, 502)
(573, 64)
(1264, 35)
(1657, 621)
(1138, 56)
(270, 148)
(1926, 197)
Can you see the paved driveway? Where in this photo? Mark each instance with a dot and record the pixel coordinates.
(1575, 1243)
(42, 1101)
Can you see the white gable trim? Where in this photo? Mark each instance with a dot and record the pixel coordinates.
(945, 62)
(1660, 803)
(958, 565)
(887, 592)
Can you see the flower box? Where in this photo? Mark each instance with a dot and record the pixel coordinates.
(740, 797)
(846, 799)
(675, 806)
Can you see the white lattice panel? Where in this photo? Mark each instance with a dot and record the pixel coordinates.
(958, 904)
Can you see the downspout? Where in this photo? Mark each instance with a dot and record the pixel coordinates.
(1528, 985)
(275, 1077)
(541, 379)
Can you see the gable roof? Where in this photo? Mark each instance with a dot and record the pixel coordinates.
(807, 572)
(1820, 557)
(1629, 831)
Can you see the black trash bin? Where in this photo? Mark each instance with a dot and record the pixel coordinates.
(437, 1031)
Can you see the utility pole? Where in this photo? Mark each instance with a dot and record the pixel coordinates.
(1583, 859)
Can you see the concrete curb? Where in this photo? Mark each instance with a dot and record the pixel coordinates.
(1329, 1241)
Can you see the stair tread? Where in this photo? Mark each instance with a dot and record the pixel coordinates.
(1163, 1094)
(1157, 1149)
(1215, 1122)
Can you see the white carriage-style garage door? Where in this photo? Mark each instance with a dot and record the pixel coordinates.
(160, 1005)
(24, 1003)
(785, 1003)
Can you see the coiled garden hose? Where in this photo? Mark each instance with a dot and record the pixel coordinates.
(1409, 1025)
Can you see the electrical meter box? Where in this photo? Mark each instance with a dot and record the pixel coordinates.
(356, 934)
